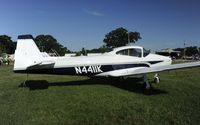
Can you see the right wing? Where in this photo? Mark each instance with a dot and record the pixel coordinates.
(165, 68)
(145, 70)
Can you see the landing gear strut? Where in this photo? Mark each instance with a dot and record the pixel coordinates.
(24, 83)
(146, 82)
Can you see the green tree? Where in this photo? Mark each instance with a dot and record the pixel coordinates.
(2, 49)
(181, 50)
(199, 50)
(48, 43)
(120, 37)
(192, 50)
(101, 49)
(6, 45)
(84, 51)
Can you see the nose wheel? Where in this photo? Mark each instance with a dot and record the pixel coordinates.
(156, 78)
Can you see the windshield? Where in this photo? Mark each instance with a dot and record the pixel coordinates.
(146, 52)
(130, 52)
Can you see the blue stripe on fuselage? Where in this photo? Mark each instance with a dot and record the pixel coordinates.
(72, 71)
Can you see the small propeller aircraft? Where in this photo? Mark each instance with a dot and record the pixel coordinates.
(121, 62)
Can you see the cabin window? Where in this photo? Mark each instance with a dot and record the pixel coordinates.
(130, 52)
(146, 52)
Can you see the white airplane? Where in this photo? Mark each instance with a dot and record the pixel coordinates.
(121, 62)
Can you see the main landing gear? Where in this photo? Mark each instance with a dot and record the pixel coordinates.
(24, 83)
(146, 81)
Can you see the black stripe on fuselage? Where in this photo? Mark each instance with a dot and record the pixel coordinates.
(72, 71)
(155, 62)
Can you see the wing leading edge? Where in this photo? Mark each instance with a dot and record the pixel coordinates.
(166, 68)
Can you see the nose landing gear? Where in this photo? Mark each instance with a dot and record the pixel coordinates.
(146, 81)
(156, 78)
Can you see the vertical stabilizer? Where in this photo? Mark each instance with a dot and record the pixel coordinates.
(26, 53)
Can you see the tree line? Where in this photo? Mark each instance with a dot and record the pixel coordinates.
(188, 51)
(46, 43)
(115, 38)
(7, 45)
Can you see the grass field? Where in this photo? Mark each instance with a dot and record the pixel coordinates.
(72, 100)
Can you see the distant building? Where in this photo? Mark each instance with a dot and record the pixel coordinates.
(70, 54)
(170, 53)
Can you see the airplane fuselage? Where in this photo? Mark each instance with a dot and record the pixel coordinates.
(120, 61)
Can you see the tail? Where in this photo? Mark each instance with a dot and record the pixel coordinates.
(26, 53)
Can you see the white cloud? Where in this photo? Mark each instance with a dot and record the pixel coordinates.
(94, 13)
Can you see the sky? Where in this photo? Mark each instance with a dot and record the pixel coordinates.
(84, 23)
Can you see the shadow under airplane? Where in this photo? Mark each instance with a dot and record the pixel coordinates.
(130, 84)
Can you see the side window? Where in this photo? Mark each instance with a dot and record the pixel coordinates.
(146, 52)
(130, 52)
(122, 52)
(135, 52)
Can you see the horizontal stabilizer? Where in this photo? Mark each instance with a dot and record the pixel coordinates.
(43, 64)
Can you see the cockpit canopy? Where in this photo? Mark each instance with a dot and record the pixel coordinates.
(134, 51)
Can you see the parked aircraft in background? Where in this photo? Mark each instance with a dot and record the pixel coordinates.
(6, 58)
(121, 62)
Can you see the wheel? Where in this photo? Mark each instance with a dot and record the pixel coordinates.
(157, 80)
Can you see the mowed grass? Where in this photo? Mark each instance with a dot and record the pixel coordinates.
(73, 100)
